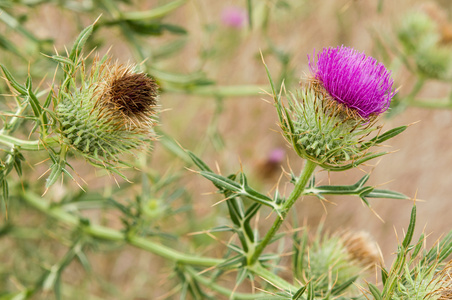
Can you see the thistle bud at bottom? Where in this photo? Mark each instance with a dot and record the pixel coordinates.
(425, 283)
(112, 112)
(332, 261)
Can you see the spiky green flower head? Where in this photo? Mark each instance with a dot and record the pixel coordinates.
(334, 262)
(425, 282)
(337, 107)
(109, 112)
(423, 42)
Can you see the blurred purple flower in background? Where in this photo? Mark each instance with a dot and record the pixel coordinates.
(354, 79)
(233, 17)
(276, 156)
(271, 164)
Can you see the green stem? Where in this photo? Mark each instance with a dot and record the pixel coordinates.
(432, 103)
(106, 233)
(222, 91)
(272, 278)
(297, 191)
(114, 235)
(26, 145)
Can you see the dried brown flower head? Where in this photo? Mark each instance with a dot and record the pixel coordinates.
(129, 96)
(361, 247)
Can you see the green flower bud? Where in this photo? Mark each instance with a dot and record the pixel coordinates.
(325, 131)
(421, 38)
(424, 283)
(110, 112)
(332, 261)
(417, 30)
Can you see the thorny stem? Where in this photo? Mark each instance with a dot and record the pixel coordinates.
(298, 189)
(35, 145)
(272, 278)
(106, 233)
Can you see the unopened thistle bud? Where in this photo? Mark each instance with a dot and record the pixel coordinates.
(426, 41)
(110, 113)
(337, 106)
(425, 282)
(331, 261)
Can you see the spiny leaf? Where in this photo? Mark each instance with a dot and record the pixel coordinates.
(198, 162)
(340, 288)
(18, 87)
(80, 43)
(375, 291)
(410, 231)
(299, 293)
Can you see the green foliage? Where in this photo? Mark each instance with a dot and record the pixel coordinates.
(56, 244)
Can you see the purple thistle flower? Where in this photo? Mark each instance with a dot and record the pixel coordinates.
(353, 79)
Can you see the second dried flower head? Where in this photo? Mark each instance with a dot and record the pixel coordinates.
(110, 112)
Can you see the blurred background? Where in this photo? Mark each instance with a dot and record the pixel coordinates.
(206, 56)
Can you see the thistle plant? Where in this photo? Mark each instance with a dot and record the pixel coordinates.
(101, 110)
(337, 108)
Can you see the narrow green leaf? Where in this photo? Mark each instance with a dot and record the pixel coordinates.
(409, 234)
(48, 101)
(198, 162)
(353, 164)
(235, 261)
(375, 291)
(251, 211)
(299, 293)
(5, 190)
(376, 193)
(446, 250)
(362, 181)
(54, 175)
(419, 245)
(63, 60)
(384, 275)
(221, 229)
(241, 275)
(275, 95)
(80, 43)
(340, 288)
(34, 102)
(222, 182)
(18, 165)
(233, 213)
(384, 137)
(18, 87)
(311, 292)
(446, 243)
